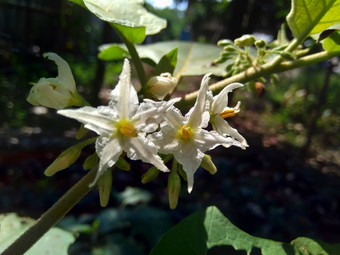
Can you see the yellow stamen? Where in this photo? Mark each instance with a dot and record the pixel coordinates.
(127, 129)
(185, 133)
(228, 113)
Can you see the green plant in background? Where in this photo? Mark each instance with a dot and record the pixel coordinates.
(139, 128)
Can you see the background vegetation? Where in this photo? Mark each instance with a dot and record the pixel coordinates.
(286, 184)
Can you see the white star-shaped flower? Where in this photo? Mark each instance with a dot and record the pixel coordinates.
(185, 137)
(219, 111)
(121, 126)
(59, 92)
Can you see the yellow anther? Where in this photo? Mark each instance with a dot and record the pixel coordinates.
(228, 113)
(127, 129)
(185, 133)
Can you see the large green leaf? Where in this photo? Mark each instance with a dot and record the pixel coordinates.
(209, 228)
(130, 13)
(309, 17)
(332, 42)
(55, 241)
(192, 58)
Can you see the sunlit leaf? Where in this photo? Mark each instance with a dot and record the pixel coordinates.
(309, 17)
(130, 13)
(209, 228)
(132, 34)
(112, 52)
(167, 63)
(332, 42)
(192, 59)
(55, 241)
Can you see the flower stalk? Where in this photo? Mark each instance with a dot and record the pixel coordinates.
(51, 216)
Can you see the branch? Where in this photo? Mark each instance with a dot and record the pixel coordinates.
(51, 216)
(253, 73)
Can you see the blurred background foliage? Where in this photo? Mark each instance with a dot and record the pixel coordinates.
(285, 185)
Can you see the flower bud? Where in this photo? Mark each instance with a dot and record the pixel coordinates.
(160, 86)
(59, 92)
(208, 165)
(122, 164)
(64, 160)
(224, 42)
(104, 187)
(91, 162)
(245, 40)
(151, 174)
(260, 43)
(174, 188)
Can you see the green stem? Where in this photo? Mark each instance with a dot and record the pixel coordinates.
(51, 216)
(253, 73)
(135, 58)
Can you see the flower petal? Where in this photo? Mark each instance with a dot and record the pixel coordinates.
(174, 117)
(99, 120)
(65, 75)
(190, 158)
(124, 96)
(223, 128)
(141, 148)
(199, 114)
(221, 100)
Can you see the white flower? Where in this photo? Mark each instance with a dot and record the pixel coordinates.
(160, 86)
(59, 92)
(185, 138)
(121, 126)
(219, 111)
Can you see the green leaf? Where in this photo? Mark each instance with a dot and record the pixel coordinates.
(192, 59)
(332, 42)
(109, 52)
(167, 63)
(209, 228)
(132, 34)
(55, 241)
(307, 246)
(130, 13)
(79, 2)
(309, 17)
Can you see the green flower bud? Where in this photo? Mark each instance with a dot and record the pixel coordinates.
(122, 164)
(286, 55)
(224, 42)
(91, 162)
(81, 132)
(245, 40)
(151, 174)
(104, 187)
(64, 160)
(67, 157)
(174, 188)
(260, 43)
(229, 48)
(208, 165)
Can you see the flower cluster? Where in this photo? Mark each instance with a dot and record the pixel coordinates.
(144, 131)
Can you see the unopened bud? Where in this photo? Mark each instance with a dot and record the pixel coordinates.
(245, 40)
(174, 188)
(64, 160)
(160, 86)
(208, 165)
(260, 43)
(104, 187)
(151, 174)
(122, 164)
(81, 132)
(224, 42)
(91, 162)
